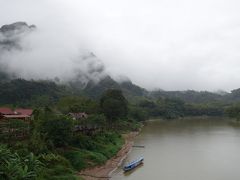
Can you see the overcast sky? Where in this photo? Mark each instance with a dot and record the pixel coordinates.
(167, 44)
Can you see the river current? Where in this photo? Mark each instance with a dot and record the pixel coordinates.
(188, 149)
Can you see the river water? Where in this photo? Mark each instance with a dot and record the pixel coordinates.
(190, 149)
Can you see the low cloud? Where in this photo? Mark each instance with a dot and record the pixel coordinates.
(29, 53)
(172, 45)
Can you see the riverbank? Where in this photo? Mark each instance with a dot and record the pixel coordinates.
(105, 171)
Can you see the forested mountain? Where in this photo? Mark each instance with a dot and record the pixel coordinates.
(92, 81)
(129, 89)
(189, 96)
(20, 89)
(31, 93)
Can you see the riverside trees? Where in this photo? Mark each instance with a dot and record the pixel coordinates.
(114, 105)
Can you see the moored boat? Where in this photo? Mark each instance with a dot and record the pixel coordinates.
(133, 164)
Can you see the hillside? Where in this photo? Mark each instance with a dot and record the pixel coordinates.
(92, 81)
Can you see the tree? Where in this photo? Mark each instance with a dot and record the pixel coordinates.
(174, 108)
(114, 105)
(58, 130)
(137, 113)
(234, 111)
(96, 119)
(77, 104)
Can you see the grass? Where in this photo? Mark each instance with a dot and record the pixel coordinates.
(98, 149)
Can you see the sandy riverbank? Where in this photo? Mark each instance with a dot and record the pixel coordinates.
(105, 171)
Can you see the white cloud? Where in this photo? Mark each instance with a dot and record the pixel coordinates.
(170, 44)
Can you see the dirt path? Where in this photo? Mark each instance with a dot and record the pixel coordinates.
(105, 171)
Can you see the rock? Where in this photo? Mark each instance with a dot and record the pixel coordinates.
(17, 27)
(11, 35)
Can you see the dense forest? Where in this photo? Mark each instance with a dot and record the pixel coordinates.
(167, 104)
(51, 145)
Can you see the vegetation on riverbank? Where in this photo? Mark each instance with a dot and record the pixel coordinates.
(59, 148)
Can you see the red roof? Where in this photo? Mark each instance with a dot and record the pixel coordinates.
(24, 111)
(6, 111)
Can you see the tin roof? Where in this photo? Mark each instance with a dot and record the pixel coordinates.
(6, 111)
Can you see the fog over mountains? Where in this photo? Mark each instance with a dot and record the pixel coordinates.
(22, 57)
(170, 45)
(27, 53)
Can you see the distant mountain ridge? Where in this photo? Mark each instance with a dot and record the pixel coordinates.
(10, 37)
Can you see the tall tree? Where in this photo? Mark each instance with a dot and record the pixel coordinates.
(114, 105)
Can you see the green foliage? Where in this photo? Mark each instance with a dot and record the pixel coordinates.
(127, 125)
(77, 104)
(95, 90)
(96, 119)
(13, 166)
(83, 141)
(54, 159)
(189, 96)
(204, 109)
(166, 108)
(41, 101)
(114, 105)
(234, 111)
(58, 130)
(25, 93)
(50, 130)
(83, 158)
(38, 143)
(56, 167)
(94, 150)
(173, 108)
(137, 113)
(14, 129)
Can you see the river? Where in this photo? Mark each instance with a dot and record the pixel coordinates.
(190, 149)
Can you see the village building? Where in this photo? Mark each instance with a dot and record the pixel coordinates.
(7, 115)
(28, 112)
(6, 111)
(82, 123)
(78, 115)
(23, 114)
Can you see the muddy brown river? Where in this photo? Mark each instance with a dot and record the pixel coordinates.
(190, 149)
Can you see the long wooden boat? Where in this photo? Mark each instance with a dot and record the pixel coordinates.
(133, 164)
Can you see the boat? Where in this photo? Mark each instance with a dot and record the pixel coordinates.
(133, 164)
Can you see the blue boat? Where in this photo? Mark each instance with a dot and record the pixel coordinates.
(133, 164)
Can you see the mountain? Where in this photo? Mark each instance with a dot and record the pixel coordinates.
(95, 89)
(26, 93)
(11, 34)
(90, 78)
(189, 96)
(129, 89)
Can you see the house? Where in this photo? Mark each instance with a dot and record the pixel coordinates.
(24, 114)
(6, 111)
(17, 116)
(24, 111)
(78, 116)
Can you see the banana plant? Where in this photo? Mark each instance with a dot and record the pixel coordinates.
(14, 167)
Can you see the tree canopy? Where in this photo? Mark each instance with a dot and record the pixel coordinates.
(114, 105)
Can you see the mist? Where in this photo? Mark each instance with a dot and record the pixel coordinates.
(172, 45)
(30, 53)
